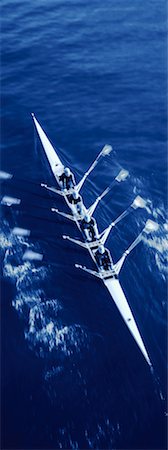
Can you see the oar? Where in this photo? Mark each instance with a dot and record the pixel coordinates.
(68, 216)
(150, 227)
(106, 150)
(122, 175)
(4, 176)
(34, 234)
(7, 200)
(96, 274)
(138, 202)
(40, 258)
(92, 272)
(53, 189)
(22, 232)
(10, 201)
(30, 255)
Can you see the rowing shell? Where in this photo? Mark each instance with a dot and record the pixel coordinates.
(110, 281)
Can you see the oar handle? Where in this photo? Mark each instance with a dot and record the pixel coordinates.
(79, 266)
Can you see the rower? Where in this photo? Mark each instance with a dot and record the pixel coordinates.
(89, 227)
(67, 179)
(76, 200)
(103, 258)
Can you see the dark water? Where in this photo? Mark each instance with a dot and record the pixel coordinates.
(93, 73)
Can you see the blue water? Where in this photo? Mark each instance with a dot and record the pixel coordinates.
(93, 73)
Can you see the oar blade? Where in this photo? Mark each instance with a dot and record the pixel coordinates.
(17, 231)
(139, 202)
(151, 226)
(78, 266)
(106, 150)
(5, 175)
(123, 174)
(30, 255)
(9, 201)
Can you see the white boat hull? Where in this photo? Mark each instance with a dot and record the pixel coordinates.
(121, 302)
(53, 159)
(112, 284)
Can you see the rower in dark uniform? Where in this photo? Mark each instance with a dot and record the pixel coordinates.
(103, 258)
(89, 228)
(76, 200)
(67, 179)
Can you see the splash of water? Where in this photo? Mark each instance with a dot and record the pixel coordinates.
(5, 241)
(46, 334)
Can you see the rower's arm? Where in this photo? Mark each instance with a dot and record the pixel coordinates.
(99, 260)
(73, 179)
(109, 259)
(62, 180)
(96, 230)
(64, 183)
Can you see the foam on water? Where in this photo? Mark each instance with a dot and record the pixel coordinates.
(166, 226)
(16, 272)
(160, 246)
(94, 437)
(22, 273)
(44, 329)
(156, 241)
(139, 188)
(46, 332)
(103, 429)
(159, 241)
(53, 372)
(26, 300)
(32, 277)
(5, 242)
